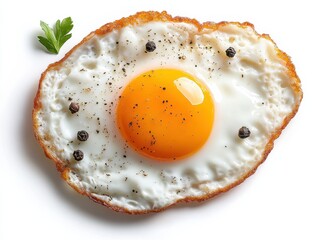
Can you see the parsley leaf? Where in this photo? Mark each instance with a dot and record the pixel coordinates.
(55, 37)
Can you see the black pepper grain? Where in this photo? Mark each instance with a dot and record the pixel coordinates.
(150, 46)
(78, 155)
(74, 107)
(243, 132)
(230, 52)
(82, 135)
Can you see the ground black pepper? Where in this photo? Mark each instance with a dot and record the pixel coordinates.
(82, 135)
(243, 132)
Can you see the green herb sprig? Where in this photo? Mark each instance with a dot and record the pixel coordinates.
(56, 36)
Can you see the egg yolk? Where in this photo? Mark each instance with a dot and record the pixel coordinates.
(165, 114)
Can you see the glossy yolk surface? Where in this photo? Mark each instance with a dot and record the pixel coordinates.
(165, 114)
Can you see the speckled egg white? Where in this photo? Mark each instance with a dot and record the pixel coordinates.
(256, 88)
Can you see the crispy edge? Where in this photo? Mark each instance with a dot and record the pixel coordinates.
(145, 17)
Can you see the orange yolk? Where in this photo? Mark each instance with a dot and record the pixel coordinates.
(165, 114)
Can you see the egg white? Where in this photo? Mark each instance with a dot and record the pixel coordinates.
(251, 89)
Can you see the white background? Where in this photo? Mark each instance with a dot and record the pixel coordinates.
(280, 201)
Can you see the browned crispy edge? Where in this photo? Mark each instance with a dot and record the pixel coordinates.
(144, 17)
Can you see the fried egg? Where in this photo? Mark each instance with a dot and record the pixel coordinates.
(153, 110)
